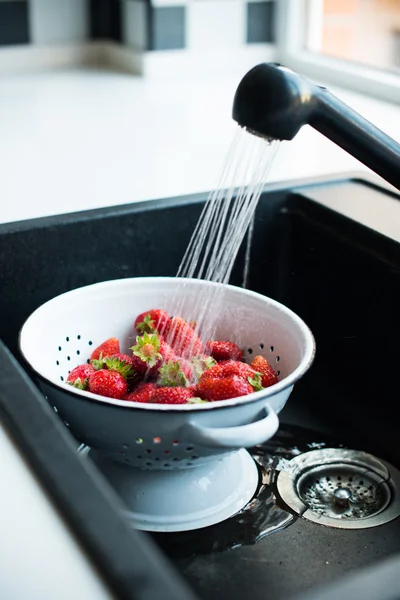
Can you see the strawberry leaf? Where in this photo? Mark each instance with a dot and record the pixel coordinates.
(147, 348)
(171, 375)
(98, 363)
(197, 401)
(147, 325)
(255, 382)
(201, 364)
(120, 366)
(80, 384)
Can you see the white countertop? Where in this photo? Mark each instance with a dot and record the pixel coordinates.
(79, 139)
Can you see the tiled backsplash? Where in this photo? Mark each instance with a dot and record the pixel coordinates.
(139, 24)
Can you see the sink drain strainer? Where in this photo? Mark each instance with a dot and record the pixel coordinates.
(341, 488)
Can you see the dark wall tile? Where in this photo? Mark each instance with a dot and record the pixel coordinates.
(14, 27)
(167, 28)
(260, 22)
(105, 19)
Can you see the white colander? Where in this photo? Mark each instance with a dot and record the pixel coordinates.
(177, 466)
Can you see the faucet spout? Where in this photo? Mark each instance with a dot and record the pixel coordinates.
(275, 102)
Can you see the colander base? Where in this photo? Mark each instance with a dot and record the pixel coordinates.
(182, 499)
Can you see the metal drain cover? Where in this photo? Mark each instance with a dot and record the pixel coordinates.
(341, 488)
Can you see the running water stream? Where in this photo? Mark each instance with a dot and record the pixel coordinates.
(219, 233)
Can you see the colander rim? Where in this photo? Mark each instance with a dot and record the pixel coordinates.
(289, 381)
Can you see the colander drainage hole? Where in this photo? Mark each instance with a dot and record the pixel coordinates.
(57, 362)
(278, 358)
(250, 350)
(59, 348)
(176, 458)
(261, 346)
(62, 378)
(157, 440)
(125, 446)
(78, 352)
(148, 450)
(166, 451)
(139, 441)
(78, 337)
(90, 342)
(67, 339)
(189, 448)
(175, 443)
(271, 348)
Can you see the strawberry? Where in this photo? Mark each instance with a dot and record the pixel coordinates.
(107, 348)
(236, 368)
(79, 377)
(221, 350)
(223, 388)
(153, 321)
(172, 395)
(143, 393)
(108, 383)
(183, 339)
(268, 375)
(171, 374)
(166, 351)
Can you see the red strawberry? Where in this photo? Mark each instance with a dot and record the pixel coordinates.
(223, 388)
(108, 383)
(143, 393)
(172, 395)
(153, 321)
(107, 348)
(221, 350)
(268, 375)
(229, 368)
(79, 376)
(183, 339)
(166, 351)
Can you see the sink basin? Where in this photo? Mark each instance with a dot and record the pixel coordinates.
(316, 250)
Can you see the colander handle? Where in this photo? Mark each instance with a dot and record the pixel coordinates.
(242, 436)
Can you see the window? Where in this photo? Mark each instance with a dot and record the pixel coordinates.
(354, 43)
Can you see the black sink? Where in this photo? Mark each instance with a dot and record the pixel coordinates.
(340, 273)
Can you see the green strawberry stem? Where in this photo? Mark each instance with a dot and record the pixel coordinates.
(147, 348)
(80, 384)
(147, 325)
(197, 401)
(255, 382)
(201, 364)
(171, 375)
(98, 363)
(120, 366)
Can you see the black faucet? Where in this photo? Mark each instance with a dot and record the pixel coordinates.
(274, 102)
